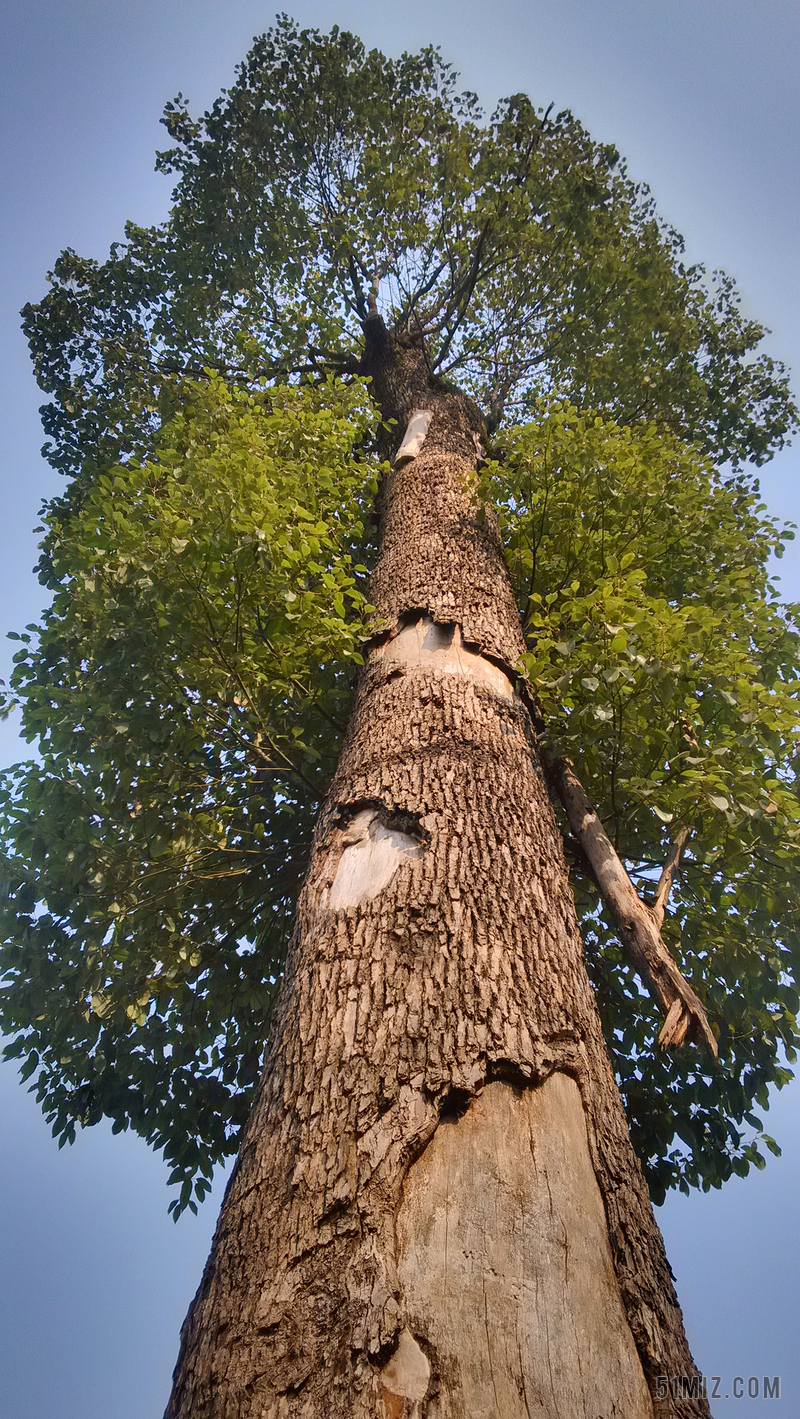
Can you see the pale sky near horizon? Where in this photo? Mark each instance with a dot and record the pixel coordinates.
(701, 97)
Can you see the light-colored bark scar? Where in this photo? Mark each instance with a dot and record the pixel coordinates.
(372, 853)
(426, 645)
(414, 436)
(505, 1266)
(404, 1380)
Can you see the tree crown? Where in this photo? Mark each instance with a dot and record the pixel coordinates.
(208, 562)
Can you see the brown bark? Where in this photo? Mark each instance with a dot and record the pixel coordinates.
(436, 1210)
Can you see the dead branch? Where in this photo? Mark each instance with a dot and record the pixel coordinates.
(664, 885)
(638, 923)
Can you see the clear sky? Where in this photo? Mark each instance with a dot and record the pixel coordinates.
(701, 96)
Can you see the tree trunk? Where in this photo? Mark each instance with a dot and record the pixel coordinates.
(436, 1210)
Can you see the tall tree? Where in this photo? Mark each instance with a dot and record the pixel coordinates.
(436, 1207)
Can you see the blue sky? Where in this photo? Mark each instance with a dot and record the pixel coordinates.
(701, 96)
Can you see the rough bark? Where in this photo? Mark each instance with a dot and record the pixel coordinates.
(435, 1005)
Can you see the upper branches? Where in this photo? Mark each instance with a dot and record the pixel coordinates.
(517, 248)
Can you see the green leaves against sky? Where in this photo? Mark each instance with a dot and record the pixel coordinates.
(207, 564)
(187, 691)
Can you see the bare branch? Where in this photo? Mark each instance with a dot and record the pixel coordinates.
(358, 294)
(318, 363)
(666, 879)
(463, 293)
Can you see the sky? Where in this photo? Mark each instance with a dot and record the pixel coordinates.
(701, 97)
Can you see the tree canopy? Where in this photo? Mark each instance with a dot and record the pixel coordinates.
(208, 564)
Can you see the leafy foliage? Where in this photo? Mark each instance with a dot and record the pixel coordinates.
(669, 673)
(207, 564)
(186, 690)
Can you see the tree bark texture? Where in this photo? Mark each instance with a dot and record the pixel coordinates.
(436, 1212)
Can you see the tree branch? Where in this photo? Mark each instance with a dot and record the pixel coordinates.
(358, 294)
(319, 361)
(638, 925)
(664, 886)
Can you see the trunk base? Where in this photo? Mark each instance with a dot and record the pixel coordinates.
(505, 1270)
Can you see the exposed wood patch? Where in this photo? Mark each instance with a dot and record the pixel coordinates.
(502, 1222)
(373, 850)
(427, 645)
(405, 1379)
(414, 436)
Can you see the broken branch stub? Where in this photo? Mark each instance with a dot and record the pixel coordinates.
(414, 436)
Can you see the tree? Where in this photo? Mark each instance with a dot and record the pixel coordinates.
(366, 292)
